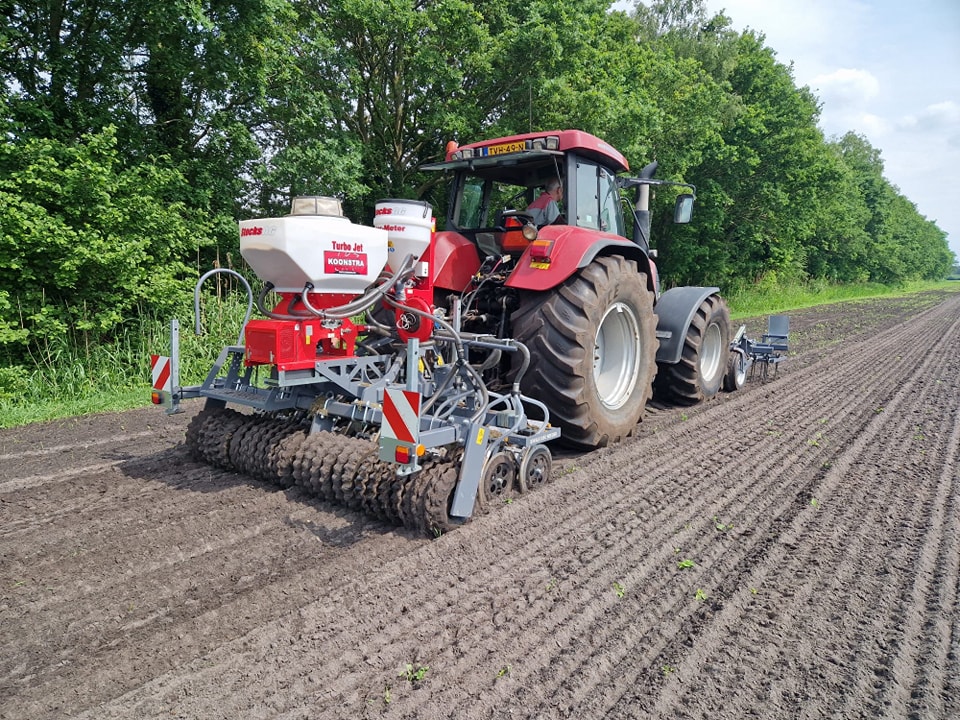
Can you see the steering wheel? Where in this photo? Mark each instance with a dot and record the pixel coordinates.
(520, 215)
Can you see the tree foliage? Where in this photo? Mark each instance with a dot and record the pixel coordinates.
(85, 240)
(137, 133)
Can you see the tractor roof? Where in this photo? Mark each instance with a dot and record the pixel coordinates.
(530, 147)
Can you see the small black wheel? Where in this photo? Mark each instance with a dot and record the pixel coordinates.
(736, 376)
(498, 479)
(535, 468)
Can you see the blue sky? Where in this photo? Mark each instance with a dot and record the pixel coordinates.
(887, 70)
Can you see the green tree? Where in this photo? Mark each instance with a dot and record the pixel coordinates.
(86, 242)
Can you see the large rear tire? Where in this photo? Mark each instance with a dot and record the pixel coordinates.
(704, 360)
(593, 345)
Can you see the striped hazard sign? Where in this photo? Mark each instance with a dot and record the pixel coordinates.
(160, 371)
(401, 415)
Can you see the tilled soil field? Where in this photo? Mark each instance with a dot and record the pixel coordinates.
(789, 551)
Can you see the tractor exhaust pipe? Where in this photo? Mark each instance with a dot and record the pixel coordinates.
(641, 228)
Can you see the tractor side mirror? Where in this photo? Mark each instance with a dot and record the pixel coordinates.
(683, 210)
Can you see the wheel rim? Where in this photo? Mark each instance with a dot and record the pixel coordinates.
(535, 468)
(498, 476)
(617, 355)
(741, 370)
(711, 350)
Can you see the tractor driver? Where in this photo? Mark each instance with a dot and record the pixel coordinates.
(545, 210)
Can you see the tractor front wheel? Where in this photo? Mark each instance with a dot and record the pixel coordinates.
(593, 345)
(703, 361)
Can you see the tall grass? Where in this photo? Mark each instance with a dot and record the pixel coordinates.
(70, 376)
(766, 298)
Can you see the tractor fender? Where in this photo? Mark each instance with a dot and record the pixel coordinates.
(570, 249)
(675, 310)
(455, 261)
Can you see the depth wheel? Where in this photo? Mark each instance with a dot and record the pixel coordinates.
(535, 468)
(736, 376)
(498, 479)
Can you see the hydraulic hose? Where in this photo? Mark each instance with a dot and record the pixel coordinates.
(458, 349)
(365, 301)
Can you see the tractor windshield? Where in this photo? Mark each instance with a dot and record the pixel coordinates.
(487, 186)
(480, 200)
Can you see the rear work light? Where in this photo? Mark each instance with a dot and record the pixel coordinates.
(540, 250)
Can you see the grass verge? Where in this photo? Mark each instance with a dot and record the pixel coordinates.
(770, 299)
(69, 377)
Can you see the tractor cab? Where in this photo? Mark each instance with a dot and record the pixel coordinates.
(495, 181)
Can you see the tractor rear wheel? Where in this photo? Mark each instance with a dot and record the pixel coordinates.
(593, 345)
(704, 359)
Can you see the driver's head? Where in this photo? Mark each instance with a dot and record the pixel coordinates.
(554, 187)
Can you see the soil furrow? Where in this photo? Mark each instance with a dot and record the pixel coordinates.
(567, 603)
(854, 518)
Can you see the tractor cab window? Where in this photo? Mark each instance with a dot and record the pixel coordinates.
(611, 219)
(470, 206)
(588, 198)
(598, 199)
(481, 201)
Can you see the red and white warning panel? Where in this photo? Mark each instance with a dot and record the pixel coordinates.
(160, 372)
(400, 432)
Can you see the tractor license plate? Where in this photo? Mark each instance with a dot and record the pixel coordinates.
(506, 148)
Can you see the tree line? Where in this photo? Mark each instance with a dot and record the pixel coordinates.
(136, 134)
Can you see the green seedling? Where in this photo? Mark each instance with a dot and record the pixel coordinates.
(552, 585)
(814, 502)
(505, 670)
(415, 675)
(667, 669)
(685, 564)
(722, 527)
(387, 697)
(619, 589)
(700, 595)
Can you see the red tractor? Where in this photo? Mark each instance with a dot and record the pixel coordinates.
(419, 375)
(581, 296)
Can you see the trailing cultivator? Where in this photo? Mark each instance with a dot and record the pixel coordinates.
(420, 375)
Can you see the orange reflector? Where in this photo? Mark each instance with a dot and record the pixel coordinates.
(402, 454)
(156, 398)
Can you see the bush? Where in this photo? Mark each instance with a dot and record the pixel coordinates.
(85, 243)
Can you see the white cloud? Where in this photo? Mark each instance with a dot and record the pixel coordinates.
(943, 116)
(846, 88)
